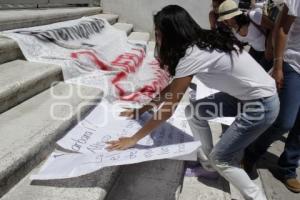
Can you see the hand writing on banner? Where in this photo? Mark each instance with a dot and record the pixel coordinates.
(122, 144)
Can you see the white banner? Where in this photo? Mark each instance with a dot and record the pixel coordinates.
(65, 165)
(172, 139)
(92, 52)
(104, 124)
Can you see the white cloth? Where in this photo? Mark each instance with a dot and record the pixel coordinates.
(292, 51)
(255, 37)
(238, 75)
(92, 52)
(87, 140)
(256, 15)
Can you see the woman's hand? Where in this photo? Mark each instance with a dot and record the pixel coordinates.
(277, 74)
(122, 144)
(269, 54)
(129, 113)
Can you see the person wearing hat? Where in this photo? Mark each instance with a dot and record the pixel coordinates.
(251, 28)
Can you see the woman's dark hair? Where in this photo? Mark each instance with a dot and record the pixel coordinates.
(179, 31)
(242, 20)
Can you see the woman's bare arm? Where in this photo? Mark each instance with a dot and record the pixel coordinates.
(281, 31)
(156, 101)
(177, 89)
(266, 22)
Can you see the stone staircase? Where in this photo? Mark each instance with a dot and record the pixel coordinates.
(28, 132)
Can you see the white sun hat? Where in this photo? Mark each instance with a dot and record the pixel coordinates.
(228, 9)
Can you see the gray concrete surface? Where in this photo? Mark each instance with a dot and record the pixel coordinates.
(155, 180)
(139, 36)
(268, 170)
(29, 131)
(128, 28)
(201, 188)
(111, 18)
(21, 80)
(93, 186)
(12, 19)
(140, 12)
(9, 50)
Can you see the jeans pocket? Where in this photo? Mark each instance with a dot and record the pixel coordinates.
(253, 112)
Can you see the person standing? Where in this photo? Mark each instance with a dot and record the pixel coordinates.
(287, 75)
(251, 28)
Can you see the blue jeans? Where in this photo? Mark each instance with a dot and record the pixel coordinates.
(252, 119)
(288, 121)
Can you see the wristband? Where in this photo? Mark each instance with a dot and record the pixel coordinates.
(277, 59)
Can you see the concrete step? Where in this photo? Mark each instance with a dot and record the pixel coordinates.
(111, 18)
(21, 80)
(275, 189)
(9, 49)
(196, 188)
(154, 180)
(13, 19)
(93, 186)
(128, 28)
(139, 36)
(32, 128)
(268, 171)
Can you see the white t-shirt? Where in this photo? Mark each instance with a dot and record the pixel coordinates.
(238, 75)
(255, 37)
(292, 50)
